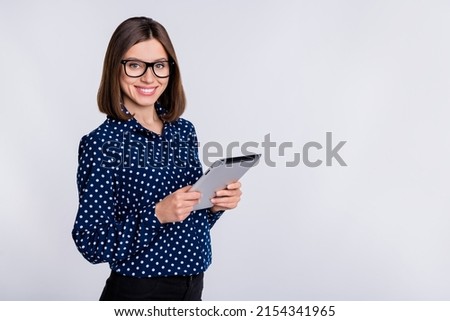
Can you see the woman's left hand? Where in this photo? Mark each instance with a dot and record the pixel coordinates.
(227, 198)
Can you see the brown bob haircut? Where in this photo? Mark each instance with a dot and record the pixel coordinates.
(127, 34)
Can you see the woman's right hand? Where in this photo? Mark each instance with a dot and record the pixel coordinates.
(177, 206)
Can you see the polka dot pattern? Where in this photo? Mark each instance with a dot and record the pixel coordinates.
(124, 171)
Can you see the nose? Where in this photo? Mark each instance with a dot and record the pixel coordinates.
(148, 76)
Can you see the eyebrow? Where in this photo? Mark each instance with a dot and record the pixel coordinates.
(156, 60)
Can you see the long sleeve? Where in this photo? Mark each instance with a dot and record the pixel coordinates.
(213, 217)
(124, 170)
(105, 231)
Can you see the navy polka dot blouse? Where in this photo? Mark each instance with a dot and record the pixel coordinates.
(124, 170)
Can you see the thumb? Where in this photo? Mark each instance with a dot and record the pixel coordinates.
(185, 189)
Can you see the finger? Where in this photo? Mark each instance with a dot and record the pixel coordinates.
(193, 195)
(229, 193)
(225, 205)
(225, 200)
(186, 195)
(235, 185)
(185, 189)
(189, 204)
(184, 207)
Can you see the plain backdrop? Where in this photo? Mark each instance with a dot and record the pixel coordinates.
(376, 74)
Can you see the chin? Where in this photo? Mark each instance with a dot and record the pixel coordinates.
(145, 102)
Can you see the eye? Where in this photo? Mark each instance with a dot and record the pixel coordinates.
(161, 65)
(135, 65)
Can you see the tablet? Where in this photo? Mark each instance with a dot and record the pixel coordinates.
(221, 173)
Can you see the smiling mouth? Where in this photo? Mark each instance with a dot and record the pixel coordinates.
(146, 91)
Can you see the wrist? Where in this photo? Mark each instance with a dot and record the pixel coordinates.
(157, 215)
(215, 209)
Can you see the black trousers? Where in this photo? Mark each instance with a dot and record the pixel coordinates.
(172, 288)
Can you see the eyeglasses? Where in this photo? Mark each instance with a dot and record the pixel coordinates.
(137, 68)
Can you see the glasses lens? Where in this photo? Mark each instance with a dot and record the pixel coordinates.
(135, 68)
(161, 69)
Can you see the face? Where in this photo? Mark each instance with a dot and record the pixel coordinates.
(142, 92)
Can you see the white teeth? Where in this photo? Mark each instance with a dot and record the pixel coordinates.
(147, 90)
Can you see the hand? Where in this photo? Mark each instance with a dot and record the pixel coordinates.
(227, 198)
(177, 206)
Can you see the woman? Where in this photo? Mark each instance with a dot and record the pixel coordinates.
(135, 172)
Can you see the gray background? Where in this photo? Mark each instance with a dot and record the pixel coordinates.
(374, 73)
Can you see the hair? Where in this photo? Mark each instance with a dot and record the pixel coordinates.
(128, 33)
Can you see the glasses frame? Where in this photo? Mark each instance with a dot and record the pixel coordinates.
(147, 65)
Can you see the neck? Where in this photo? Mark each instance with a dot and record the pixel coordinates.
(147, 117)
